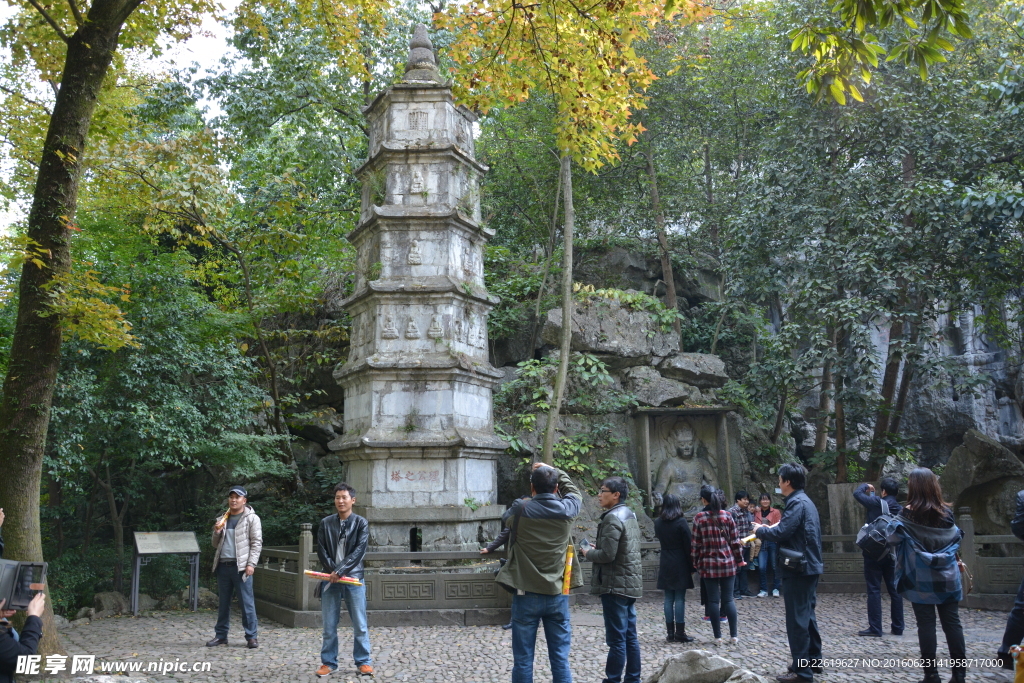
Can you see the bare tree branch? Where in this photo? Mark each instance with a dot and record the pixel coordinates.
(76, 12)
(17, 94)
(49, 20)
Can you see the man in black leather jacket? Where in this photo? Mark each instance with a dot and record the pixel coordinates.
(341, 545)
(1014, 632)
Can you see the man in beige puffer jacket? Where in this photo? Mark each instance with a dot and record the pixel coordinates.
(238, 538)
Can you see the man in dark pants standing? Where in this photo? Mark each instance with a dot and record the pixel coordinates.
(875, 572)
(238, 538)
(1014, 632)
(744, 526)
(799, 531)
(618, 578)
(541, 533)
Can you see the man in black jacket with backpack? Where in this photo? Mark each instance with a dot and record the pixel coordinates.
(877, 571)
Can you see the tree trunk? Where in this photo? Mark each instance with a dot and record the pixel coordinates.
(548, 454)
(547, 261)
(54, 490)
(87, 531)
(842, 470)
(905, 381)
(825, 398)
(709, 193)
(780, 414)
(666, 256)
(35, 349)
(892, 370)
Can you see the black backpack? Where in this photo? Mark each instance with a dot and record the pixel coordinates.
(871, 537)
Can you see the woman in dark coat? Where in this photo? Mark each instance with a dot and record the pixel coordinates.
(675, 572)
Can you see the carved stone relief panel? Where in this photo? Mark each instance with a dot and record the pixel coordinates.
(683, 457)
(415, 257)
(436, 330)
(376, 134)
(419, 120)
(411, 331)
(395, 191)
(388, 330)
(416, 184)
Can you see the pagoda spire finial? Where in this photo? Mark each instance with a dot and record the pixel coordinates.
(421, 65)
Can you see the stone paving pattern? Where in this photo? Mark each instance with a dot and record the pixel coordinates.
(483, 654)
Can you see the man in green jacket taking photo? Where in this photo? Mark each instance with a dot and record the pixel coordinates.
(535, 570)
(618, 578)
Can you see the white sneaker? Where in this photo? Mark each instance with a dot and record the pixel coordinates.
(763, 594)
(734, 640)
(718, 642)
(775, 593)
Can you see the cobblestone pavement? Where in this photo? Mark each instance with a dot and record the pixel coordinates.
(483, 654)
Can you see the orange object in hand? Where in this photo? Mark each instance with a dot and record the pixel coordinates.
(570, 552)
(327, 577)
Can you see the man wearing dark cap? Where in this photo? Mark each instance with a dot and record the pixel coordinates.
(238, 538)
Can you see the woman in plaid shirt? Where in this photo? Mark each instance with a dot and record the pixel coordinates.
(717, 556)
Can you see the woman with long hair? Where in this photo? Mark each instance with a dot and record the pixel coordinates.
(717, 556)
(768, 557)
(927, 539)
(675, 571)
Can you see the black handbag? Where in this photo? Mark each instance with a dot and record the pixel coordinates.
(871, 537)
(793, 560)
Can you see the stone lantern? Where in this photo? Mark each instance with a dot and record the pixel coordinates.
(419, 442)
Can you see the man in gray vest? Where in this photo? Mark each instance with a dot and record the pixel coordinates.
(618, 578)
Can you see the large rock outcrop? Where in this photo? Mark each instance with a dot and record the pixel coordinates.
(617, 334)
(985, 476)
(702, 370)
(651, 389)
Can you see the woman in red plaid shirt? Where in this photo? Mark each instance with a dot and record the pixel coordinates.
(717, 556)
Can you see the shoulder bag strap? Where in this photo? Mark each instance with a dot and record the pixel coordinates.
(515, 524)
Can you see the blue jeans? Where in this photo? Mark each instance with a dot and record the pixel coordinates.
(229, 580)
(720, 600)
(354, 598)
(1014, 632)
(675, 606)
(528, 610)
(875, 573)
(769, 556)
(620, 636)
(800, 597)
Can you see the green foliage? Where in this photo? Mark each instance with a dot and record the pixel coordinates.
(638, 301)
(516, 282)
(517, 403)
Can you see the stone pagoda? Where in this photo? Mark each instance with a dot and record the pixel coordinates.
(419, 442)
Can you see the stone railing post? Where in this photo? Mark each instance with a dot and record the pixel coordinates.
(305, 548)
(968, 552)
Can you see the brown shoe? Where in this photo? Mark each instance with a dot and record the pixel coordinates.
(324, 671)
(365, 670)
(252, 643)
(217, 641)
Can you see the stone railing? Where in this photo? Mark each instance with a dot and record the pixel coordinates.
(996, 579)
(415, 593)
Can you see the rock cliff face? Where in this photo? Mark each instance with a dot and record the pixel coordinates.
(985, 476)
(939, 412)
